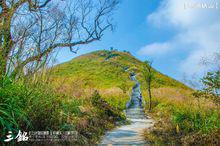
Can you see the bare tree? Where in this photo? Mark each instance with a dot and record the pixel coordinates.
(211, 62)
(148, 77)
(31, 30)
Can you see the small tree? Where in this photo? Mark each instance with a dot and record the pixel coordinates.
(211, 90)
(148, 77)
(212, 82)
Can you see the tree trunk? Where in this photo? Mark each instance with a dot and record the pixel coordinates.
(2, 67)
(150, 97)
(5, 45)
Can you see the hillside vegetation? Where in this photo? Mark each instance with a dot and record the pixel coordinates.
(108, 72)
(37, 106)
(107, 69)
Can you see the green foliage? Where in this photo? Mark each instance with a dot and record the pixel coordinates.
(124, 87)
(148, 72)
(107, 108)
(212, 87)
(96, 98)
(111, 55)
(12, 115)
(33, 107)
(190, 118)
(196, 120)
(37, 107)
(118, 102)
(148, 77)
(212, 82)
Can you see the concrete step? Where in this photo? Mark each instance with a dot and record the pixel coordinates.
(135, 94)
(137, 109)
(136, 117)
(134, 106)
(135, 113)
(134, 110)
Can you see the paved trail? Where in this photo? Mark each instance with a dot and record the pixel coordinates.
(130, 134)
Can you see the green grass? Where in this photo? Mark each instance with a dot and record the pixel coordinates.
(185, 119)
(191, 119)
(94, 72)
(38, 107)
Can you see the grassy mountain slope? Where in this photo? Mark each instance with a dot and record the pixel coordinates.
(106, 69)
(108, 72)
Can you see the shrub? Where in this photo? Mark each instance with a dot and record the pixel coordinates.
(104, 106)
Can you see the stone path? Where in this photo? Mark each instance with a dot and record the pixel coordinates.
(130, 134)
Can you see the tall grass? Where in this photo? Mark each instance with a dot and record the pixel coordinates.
(12, 101)
(36, 106)
(184, 115)
(33, 107)
(193, 120)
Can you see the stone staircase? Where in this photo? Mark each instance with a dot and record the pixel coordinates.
(130, 135)
(134, 109)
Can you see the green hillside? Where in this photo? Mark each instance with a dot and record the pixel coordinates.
(107, 69)
(109, 73)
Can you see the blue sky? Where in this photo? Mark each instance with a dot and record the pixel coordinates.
(171, 33)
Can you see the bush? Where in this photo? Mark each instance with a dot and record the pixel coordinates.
(105, 107)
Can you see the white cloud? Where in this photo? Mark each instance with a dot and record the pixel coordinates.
(198, 31)
(173, 12)
(155, 49)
